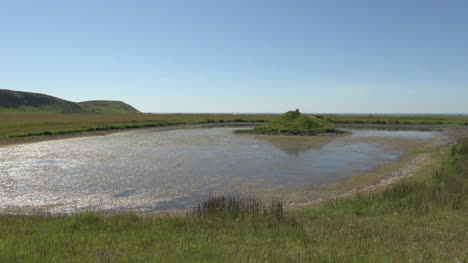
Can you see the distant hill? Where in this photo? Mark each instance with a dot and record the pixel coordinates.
(17, 101)
(107, 106)
(27, 102)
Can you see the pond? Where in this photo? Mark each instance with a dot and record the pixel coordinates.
(149, 170)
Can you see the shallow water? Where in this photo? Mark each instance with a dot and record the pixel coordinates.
(150, 170)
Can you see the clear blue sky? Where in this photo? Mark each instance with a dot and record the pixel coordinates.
(343, 56)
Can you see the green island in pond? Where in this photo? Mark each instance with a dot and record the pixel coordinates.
(296, 123)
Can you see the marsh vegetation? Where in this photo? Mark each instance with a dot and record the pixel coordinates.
(14, 125)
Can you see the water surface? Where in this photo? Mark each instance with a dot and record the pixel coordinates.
(150, 170)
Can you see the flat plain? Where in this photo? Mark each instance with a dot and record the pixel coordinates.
(27, 124)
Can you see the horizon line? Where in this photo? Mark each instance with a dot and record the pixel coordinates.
(324, 113)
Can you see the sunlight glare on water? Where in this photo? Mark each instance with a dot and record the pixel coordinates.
(150, 170)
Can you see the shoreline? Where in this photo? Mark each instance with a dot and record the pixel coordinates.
(405, 167)
(383, 176)
(41, 138)
(422, 127)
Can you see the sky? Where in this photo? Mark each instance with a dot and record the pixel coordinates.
(321, 56)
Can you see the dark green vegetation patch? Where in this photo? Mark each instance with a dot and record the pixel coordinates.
(294, 122)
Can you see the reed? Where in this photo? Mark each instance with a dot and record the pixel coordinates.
(234, 206)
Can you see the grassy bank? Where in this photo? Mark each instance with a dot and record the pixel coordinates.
(14, 125)
(413, 120)
(419, 219)
(23, 125)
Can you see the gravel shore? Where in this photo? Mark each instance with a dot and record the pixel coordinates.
(450, 136)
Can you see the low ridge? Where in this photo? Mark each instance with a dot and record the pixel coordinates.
(18, 101)
(107, 106)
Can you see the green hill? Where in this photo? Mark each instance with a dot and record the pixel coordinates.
(17, 101)
(107, 107)
(27, 102)
(294, 122)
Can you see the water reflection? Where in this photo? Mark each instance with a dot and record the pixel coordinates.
(295, 145)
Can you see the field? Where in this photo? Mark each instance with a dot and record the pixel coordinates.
(422, 218)
(396, 119)
(21, 124)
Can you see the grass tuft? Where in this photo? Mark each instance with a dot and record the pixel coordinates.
(233, 206)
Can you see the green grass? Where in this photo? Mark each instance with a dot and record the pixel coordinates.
(16, 124)
(22, 125)
(419, 219)
(296, 123)
(381, 119)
